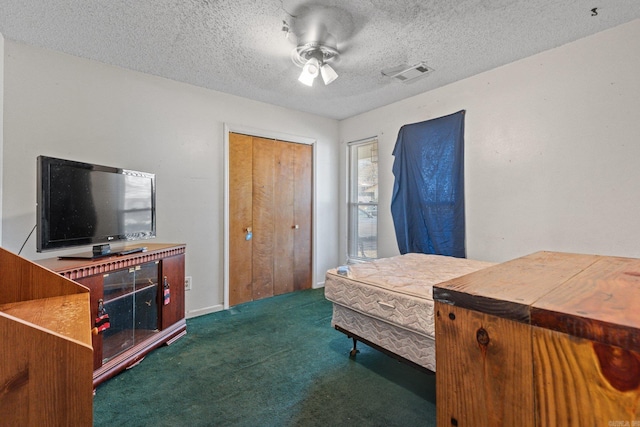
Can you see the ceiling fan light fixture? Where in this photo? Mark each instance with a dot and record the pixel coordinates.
(312, 67)
(328, 74)
(306, 79)
(309, 72)
(313, 57)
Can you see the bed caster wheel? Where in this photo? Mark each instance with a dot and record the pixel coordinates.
(354, 350)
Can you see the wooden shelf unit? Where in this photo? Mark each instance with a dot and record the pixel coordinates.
(45, 346)
(549, 339)
(94, 274)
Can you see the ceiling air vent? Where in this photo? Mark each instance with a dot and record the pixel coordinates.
(406, 73)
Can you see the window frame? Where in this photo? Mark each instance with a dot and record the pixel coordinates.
(355, 252)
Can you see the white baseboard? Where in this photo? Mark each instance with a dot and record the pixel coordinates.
(219, 307)
(203, 311)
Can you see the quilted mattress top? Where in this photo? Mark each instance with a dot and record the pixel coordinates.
(412, 274)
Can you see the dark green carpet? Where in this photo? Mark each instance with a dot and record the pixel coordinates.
(273, 362)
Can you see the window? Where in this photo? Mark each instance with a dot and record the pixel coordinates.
(363, 200)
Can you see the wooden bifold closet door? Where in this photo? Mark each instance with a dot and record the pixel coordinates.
(270, 200)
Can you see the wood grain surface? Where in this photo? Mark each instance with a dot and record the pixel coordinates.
(303, 213)
(34, 282)
(509, 289)
(240, 218)
(94, 284)
(601, 303)
(45, 351)
(263, 217)
(484, 369)
(582, 383)
(557, 343)
(174, 268)
(277, 205)
(65, 315)
(76, 269)
(284, 200)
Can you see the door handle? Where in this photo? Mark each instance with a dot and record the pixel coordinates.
(295, 227)
(248, 233)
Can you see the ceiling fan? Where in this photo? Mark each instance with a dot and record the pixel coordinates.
(313, 55)
(316, 29)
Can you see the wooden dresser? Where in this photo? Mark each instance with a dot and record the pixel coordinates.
(45, 347)
(549, 339)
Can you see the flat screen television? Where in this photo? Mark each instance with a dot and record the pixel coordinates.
(86, 204)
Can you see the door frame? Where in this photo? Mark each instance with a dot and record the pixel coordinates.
(262, 133)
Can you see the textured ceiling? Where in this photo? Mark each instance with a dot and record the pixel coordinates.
(239, 47)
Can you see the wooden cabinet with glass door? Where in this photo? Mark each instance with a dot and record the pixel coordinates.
(137, 303)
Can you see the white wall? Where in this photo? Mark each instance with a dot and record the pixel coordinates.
(64, 106)
(552, 150)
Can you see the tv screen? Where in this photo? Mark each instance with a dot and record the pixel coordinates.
(83, 204)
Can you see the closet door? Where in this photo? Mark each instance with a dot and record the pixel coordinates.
(271, 194)
(302, 213)
(240, 218)
(284, 227)
(264, 216)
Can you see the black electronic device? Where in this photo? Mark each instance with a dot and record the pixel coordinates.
(87, 204)
(101, 250)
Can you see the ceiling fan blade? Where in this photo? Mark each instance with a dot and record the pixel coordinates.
(320, 22)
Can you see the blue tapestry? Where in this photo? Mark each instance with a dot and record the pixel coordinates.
(427, 204)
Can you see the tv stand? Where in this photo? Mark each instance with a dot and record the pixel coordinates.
(94, 255)
(85, 255)
(132, 251)
(142, 291)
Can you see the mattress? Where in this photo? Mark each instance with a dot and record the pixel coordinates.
(397, 290)
(412, 346)
(389, 301)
